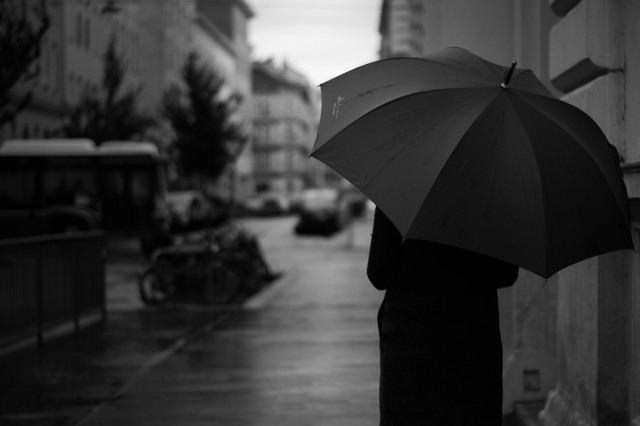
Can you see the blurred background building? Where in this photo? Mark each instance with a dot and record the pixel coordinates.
(164, 31)
(285, 117)
(572, 343)
(222, 41)
(153, 40)
(71, 61)
(498, 30)
(594, 61)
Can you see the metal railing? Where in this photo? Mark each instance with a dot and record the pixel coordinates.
(49, 281)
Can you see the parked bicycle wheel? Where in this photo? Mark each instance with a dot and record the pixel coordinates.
(155, 284)
(249, 270)
(223, 284)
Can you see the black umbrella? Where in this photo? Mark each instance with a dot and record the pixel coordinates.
(461, 151)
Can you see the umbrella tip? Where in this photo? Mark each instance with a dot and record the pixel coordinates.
(505, 84)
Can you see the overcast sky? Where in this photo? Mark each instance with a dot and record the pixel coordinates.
(320, 38)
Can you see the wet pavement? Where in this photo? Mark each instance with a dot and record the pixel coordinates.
(74, 375)
(302, 352)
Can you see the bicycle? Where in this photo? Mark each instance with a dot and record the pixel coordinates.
(222, 267)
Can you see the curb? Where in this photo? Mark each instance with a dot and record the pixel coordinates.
(266, 295)
(158, 358)
(256, 302)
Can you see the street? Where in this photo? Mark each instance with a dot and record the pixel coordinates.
(282, 248)
(304, 351)
(305, 355)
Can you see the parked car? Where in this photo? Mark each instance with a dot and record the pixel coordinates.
(322, 211)
(193, 210)
(267, 204)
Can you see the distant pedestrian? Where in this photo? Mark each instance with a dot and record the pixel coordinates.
(440, 343)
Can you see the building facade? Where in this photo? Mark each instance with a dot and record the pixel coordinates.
(153, 38)
(221, 40)
(165, 37)
(595, 64)
(520, 30)
(71, 62)
(573, 341)
(42, 116)
(285, 118)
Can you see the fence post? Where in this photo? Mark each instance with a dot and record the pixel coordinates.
(76, 291)
(40, 297)
(103, 285)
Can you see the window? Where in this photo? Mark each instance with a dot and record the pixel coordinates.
(262, 187)
(45, 64)
(70, 84)
(289, 161)
(417, 7)
(290, 133)
(87, 33)
(262, 161)
(262, 108)
(79, 29)
(261, 133)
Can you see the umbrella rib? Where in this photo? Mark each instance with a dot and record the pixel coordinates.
(471, 126)
(328, 82)
(544, 201)
(555, 123)
(419, 135)
(494, 72)
(485, 64)
(333, 138)
(463, 69)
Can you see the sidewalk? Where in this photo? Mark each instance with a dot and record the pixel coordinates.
(305, 352)
(75, 374)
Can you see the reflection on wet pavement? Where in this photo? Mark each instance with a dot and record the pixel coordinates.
(307, 352)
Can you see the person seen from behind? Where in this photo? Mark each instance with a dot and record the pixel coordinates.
(440, 343)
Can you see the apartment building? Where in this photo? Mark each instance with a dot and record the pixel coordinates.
(498, 30)
(221, 40)
(165, 36)
(71, 61)
(153, 38)
(285, 117)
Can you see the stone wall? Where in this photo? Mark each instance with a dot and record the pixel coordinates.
(595, 62)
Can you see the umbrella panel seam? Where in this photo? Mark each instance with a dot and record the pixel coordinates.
(478, 119)
(444, 166)
(558, 126)
(333, 138)
(587, 155)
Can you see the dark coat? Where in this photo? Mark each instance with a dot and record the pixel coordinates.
(440, 344)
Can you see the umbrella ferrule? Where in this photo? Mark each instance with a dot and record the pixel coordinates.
(505, 84)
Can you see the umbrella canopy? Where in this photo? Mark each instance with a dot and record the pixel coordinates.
(454, 152)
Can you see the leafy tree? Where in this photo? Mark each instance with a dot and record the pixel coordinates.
(201, 121)
(22, 26)
(113, 113)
